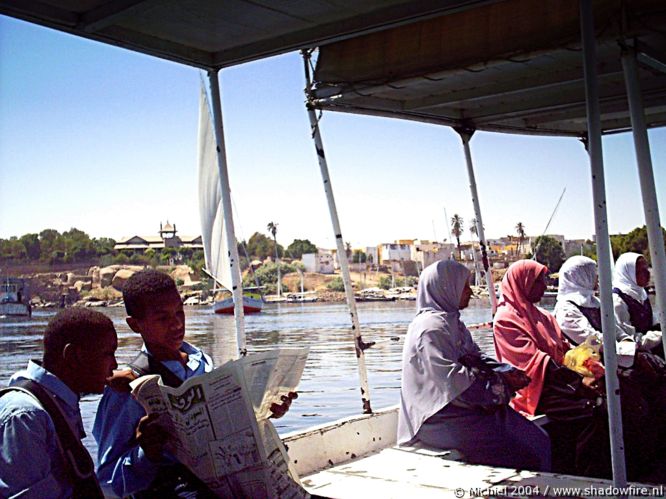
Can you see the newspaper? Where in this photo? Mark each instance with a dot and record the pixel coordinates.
(218, 423)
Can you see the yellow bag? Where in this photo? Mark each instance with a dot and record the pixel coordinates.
(584, 359)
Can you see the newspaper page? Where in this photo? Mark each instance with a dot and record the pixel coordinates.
(214, 430)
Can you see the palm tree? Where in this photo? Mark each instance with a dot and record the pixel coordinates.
(457, 230)
(348, 250)
(520, 229)
(472, 228)
(272, 228)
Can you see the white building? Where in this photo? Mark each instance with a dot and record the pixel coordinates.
(322, 262)
(425, 252)
(394, 252)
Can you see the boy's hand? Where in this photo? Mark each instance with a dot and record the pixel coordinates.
(151, 437)
(280, 410)
(120, 380)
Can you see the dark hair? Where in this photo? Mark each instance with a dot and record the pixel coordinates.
(143, 285)
(79, 326)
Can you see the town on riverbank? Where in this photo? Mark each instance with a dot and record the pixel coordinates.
(70, 268)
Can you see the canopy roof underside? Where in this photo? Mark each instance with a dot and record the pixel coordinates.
(212, 34)
(509, 66)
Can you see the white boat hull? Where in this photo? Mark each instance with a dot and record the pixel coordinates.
(20, 309)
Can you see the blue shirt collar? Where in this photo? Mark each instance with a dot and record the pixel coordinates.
(51, 382)
(197, 361)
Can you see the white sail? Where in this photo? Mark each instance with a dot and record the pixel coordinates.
(210, 199)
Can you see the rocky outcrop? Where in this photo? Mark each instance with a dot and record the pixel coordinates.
(182, 274)
(106, 276)
(121, 277)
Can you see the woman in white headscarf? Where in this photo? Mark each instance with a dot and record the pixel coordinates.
(642, 376)
(452, 395)
(578, 311)
(633, 312)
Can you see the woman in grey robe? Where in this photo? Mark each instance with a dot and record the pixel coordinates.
(452, 395)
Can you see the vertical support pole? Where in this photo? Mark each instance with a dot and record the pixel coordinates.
(646, 176)
(359, 345)
(603, 241)
(466, 135)
(230, 234)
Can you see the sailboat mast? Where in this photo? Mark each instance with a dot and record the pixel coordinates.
(230, 234)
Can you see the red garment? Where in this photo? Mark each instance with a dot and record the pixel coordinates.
(526, 336)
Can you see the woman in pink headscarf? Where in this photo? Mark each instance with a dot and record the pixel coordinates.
(529, 338)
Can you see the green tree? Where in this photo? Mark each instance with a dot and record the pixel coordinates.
(549, 252)
(12, 249)
(32, 246)
(48, 240)
(266, 275)
(635, 241)
(457, 224)
(336, 284)
(299, 247)
(78, 245)
(259, 246)
(167, 255)
(121, 259)
(103, 245)
(472, 228)
(385, 282)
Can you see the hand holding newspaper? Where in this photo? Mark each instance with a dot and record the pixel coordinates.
(218, 423)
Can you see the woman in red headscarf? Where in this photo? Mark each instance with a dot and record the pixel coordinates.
(529, 338)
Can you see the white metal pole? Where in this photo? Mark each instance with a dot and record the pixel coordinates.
(646, 175)
(466, 135)
(232, 247)
(603, 241)
(359, 344)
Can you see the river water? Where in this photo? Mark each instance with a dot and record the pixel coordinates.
(329, 387)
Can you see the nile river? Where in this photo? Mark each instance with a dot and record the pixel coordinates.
(329, 387)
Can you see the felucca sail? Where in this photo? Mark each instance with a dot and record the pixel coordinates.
(210, 199)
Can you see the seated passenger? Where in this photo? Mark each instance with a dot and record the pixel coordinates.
(578, 311)
(633, 312)
(642, 374)
(529, 338)
(452, 395)
(41, 453)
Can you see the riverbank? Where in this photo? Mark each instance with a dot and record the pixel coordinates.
(102, 286)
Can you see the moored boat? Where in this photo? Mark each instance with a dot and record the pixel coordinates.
(252, 302)
(15, 297)
(303, 297)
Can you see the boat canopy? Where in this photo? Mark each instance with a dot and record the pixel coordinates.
(212, 34)
(510, 66)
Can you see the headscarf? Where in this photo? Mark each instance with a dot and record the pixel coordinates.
(578, 277)
(624, 276)
(526, 336)
(436, 339)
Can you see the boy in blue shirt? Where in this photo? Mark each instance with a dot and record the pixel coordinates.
(131, 457)
(39, 414)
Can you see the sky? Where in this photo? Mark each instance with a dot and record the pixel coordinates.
(105, 140)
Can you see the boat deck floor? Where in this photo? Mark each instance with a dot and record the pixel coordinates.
(419, 473)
